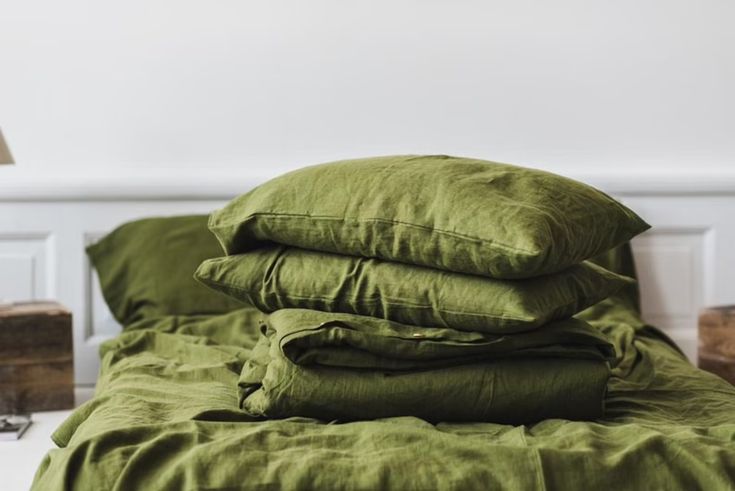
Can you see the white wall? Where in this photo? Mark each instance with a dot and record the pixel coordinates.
(99, 88)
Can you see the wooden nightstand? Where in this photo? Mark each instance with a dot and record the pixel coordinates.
(36, 357)
(19, 459)
(717, 341)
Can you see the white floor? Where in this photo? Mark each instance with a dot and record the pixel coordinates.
(20, 459)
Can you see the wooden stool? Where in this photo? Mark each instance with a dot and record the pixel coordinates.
(717, 341)
(36, 357)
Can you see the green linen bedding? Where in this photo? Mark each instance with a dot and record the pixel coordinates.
(166, 416)
(453, 213)
(348, 367)
(145, 266)
(277, 277)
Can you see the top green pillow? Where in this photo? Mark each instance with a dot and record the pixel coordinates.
(457, 214)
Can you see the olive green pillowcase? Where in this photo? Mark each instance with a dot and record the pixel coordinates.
(145, 269)
(278, 277)
(450, 213)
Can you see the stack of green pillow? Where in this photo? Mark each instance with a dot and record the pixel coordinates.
(431, 286)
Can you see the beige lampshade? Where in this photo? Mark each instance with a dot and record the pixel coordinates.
(5, 156)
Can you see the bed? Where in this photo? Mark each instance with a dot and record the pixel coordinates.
(169, 408)
(165, 416)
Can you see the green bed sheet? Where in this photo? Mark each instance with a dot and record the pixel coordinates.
(166, 416)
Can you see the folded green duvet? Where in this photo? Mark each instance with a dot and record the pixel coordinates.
(347, 367)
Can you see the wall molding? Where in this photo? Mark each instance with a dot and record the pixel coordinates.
(184, 188)
(202, 185)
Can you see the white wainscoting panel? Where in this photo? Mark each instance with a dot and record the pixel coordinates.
(685, 261)
(25, 265)
(17, 278)
(99, 321)
(670, 264)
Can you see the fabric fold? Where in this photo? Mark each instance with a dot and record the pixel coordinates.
(347, 367)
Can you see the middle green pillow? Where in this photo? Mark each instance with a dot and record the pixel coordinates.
(278, 277)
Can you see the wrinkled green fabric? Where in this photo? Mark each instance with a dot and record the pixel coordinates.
(457, 214)
(349, 367)
(308, 337)
(145, 268)
(277, 277)
(166, 416)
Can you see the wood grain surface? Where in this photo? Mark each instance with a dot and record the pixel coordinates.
(36, 358)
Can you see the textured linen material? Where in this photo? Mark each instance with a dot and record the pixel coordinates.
(165, 416)
(308, 337)
(348, 367)
(145, 268)
(458, 214)
(277, 277)
(511, 391)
